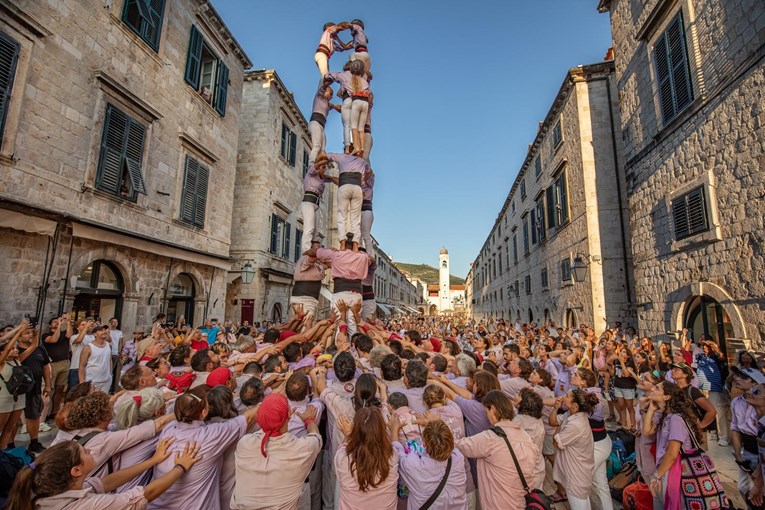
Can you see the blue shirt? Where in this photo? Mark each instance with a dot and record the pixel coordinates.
(212, 334)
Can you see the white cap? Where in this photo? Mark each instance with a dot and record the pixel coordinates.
(751, 373)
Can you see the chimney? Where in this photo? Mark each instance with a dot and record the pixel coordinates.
(609, 54)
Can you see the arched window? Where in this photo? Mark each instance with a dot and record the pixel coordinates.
(99, 292)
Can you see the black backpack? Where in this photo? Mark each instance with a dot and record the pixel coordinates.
(22, 381)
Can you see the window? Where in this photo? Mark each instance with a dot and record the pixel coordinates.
(144, 17)
(515, 249)
(194, 197)
(517, 289)
(670, 55)
(305, 162)
(512, 207)
(557, 135)
(205, 72)
(538, 166)
(523, 189)
(539, 224)
(544, 278)
(289, 143)
(525, 234)
(507, 256)
(565, 269)
(551, 214)
(527, 284)
(499, 260)
(689, 214)
(493, 268)
(534, 226)
(119, 162)
(9, 55)
(280, 237)
(298, 242)
(561, 200)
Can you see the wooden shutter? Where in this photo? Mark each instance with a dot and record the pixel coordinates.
(285, 136)
(541, 220)
(298, 242)
(9, 56)
(286, 245)
(194, 58)
(689, 214)
(274, 231)
(154, 22)
(134, 154)
(533, 226)
(293, 148)
(222, 88)
(189, 189)
(562, 199)
(678, 57)
(200, 207)
(112, 144)
(550, 207)
(663, 78)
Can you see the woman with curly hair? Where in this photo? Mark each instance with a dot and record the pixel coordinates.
(366, 464)
(59, 479)
(671, 418)
(87, 422)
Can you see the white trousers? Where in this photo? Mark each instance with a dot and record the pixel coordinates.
(575, 503)
(599, 488)
(722, 405)
(367, 218)
(310, 304)
(310, 212)
(368, 308)
(318, 140)
(322, 61)
(368, 141)
(345, 115)
(359, 110)
(350, 299)
(364, 57)
(349, 198)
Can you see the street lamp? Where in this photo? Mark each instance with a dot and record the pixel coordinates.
(579, 270)
(247, 272)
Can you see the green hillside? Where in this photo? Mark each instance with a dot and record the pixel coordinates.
(426, 273)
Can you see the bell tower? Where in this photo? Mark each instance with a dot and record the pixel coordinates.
(443, 281)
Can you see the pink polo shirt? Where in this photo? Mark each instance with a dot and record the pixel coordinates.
(346, 264)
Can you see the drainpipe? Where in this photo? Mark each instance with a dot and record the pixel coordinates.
(167, 284)
(209, 293)
(66, 278)
(50, 256)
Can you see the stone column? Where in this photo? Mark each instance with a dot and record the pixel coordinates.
(129, 313)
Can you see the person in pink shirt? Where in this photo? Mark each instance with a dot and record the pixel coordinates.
(409, 429)
(328, 44)
(366, 463)
(498, 481)
(58, 479)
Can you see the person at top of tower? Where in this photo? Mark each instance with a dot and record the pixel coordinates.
(356, 86)
(328, 44)
(359, 42)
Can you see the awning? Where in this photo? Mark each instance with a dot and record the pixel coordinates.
(26, 223)
(102, 235)
(397, 310)
(413, 310)
(384, 309)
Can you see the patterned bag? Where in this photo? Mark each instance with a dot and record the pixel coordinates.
(701, 486)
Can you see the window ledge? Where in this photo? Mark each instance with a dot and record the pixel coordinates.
(198, 97)
(712, 235)
(188, 226)
(137, 39)
(566, 283)
(120, 200)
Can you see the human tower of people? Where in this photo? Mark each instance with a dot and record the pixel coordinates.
(354, 413)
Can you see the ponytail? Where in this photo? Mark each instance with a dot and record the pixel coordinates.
(48, 476)
(20, 496)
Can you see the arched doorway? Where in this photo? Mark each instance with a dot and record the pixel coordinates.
(706, 316)
(433, 310)
(99, 292)
(276, 313)
(180, 294)
(547, 315)
(570, 318)
(531, 316)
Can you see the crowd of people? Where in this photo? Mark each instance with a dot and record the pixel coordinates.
(404, 412)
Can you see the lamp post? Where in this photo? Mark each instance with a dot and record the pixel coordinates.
(247, 272)
(579, 269)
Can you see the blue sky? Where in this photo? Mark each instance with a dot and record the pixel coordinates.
(460, 88)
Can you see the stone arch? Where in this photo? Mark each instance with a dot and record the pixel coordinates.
(678, 301)
(200, 287)
(112, 254)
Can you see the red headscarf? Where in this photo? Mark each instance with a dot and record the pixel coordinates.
(273, 412)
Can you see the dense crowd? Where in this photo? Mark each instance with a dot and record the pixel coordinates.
(438, 410)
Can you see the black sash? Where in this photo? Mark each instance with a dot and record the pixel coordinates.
(346, 285)
(598, 428)
(350, 178)
(312, 197)
(310, 288)
(318, 117)
(366, 205)
(749, 443)
(367, 292)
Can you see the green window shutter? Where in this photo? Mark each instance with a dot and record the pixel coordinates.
(293, 148)
(298, 242)
(681, 79)
(551, 207)
(274, 231)
(194, 58)
(200, 207)
(9, 56)
(189, 190)
(134, 153)
(285, 135)
(661, 58)
(110, 160)
(533, 226)
(563, 199)
(154, 22)
(286, 247)
(222, 88)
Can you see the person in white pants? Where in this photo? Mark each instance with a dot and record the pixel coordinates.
(349, 268)
(360, 42)
(354, 89)
(328, 44)
(313, 189)
(368, 138)
(368, 304)
(352, 170)
(319, 112)
(367, 215)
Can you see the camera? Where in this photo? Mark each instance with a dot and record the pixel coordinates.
(31, 320)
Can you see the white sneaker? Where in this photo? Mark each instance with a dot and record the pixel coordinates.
(24, 428)
(44, 427)
(723, 442)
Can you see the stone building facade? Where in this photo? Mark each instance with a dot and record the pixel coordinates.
(394, 292)
(690, 78)
(118, 133)
(567, 201)
(274, 144)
